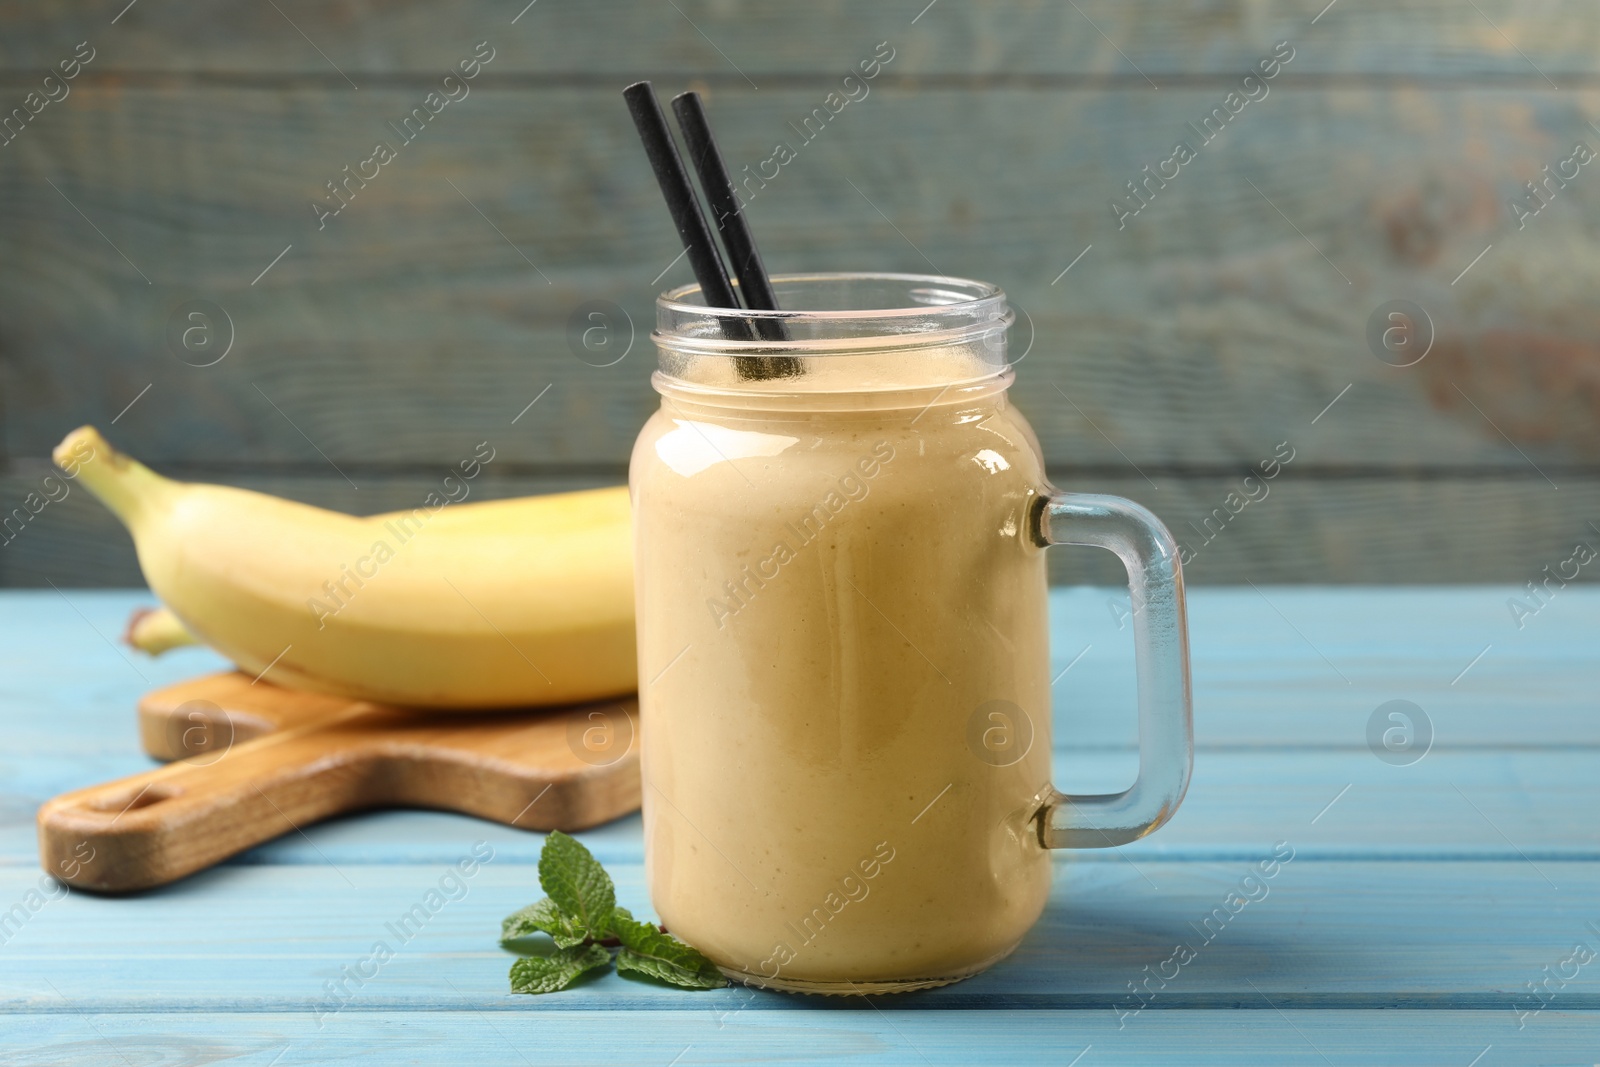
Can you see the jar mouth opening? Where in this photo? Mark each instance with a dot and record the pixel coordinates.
(836, 313)
(925, 290)
(820, 399)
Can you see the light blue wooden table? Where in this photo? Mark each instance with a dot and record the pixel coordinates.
(1422, 904)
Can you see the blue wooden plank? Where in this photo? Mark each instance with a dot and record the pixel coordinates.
(66, 705)
(1274, 667)
(1319, 935)
(1445, 807)
(979, 44)
(847, 1034)
(1282, 666)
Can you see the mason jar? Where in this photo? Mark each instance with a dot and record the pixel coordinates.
(839, 528)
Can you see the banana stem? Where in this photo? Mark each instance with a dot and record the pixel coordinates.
(157, 630)
(122, 483)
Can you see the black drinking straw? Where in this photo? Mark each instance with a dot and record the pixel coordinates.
(723, 199)
(704, 258)
(727, 209)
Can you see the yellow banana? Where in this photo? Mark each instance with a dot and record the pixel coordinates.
(502, 604)
(157, 630)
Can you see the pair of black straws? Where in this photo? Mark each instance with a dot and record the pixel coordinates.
(705, 259)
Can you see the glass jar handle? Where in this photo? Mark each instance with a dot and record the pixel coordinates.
(1161, 650)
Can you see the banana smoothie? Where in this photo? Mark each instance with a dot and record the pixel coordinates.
(843, 657)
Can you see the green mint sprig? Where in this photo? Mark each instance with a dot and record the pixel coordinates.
(581, 916)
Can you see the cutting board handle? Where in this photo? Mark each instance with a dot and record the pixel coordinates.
(256, 762)
(152, 828)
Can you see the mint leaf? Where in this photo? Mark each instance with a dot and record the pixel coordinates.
(547, 974)
(581, 910)
(542, 917)
(648, 952)
(578, 884)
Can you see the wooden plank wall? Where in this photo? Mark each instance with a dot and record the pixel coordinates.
(1181, 346)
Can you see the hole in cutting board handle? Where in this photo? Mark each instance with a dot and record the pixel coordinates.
(132, 799)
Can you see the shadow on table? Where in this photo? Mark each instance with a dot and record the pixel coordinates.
(1142, 950)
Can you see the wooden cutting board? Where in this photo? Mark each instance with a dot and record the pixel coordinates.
(252, 761)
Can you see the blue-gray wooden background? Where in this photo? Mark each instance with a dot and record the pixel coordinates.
(1383, 164)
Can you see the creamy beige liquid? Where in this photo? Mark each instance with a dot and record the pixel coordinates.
(827, 602)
